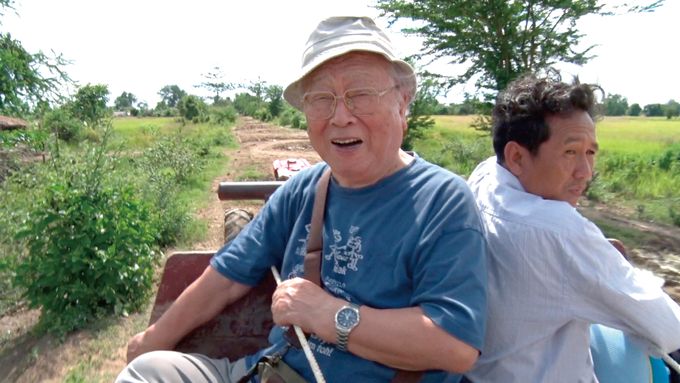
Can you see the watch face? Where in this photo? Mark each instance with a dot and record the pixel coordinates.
(347, 318)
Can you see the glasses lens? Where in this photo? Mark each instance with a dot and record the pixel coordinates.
(361, 101)
(319, 105)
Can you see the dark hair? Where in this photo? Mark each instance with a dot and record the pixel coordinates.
(520, 110)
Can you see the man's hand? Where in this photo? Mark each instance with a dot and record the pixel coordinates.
(300, 302)
(142, 343)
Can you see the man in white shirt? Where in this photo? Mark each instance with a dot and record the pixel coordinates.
(552, 273)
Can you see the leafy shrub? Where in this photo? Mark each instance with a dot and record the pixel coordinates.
(674, 213)
(293, 118)
(33, 139)
(63, 124)
(192, 108)
(165, 166)
(263, 114)
(170, 157)
(90, 245)
(462, 155)
(222, 115)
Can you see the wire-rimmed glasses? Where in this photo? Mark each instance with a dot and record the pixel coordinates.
(359, 101)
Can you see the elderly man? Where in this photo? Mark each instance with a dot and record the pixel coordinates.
(403, 266)
(551, 271)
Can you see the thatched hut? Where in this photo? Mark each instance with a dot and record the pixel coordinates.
(11, 123)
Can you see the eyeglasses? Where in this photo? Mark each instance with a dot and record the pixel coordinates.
(360, 102)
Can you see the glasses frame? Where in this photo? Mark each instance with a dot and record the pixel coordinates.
(350, 108)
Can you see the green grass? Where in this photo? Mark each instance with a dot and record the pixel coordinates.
(453, 144)
(637, 135)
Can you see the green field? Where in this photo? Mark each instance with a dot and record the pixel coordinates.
(637, 135)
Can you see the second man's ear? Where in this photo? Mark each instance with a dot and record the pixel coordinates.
(515, 154)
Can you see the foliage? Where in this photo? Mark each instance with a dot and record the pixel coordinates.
(498, 40)
(672, 109)
(247, 104)
(420, 110)
(222, 115)
(292, 117)
(125, 101)
(461, 156)
(166, 166)
(634, 110)
(32, 138)
(62, 123)
(653, 110)
(274, 98)
(171, 94)
(213, 83)
(27, 79)
(90, 244)
(89, 104)
(615, 105)
(192, 108)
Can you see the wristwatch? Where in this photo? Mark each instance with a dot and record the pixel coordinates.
(346, 319)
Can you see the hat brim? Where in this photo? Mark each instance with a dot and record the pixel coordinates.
(294, 92)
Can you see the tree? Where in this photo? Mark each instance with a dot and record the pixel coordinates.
(420, 112)
(247, 104)
(499, 40)
(615, 105)
(274, 94)
(671, 109)
(125, 101)
(653, 110)
(634, 110)
(89, 103)
(171, 94)
(213, 83)
(27, 79)
(191, 108)
(258, 88)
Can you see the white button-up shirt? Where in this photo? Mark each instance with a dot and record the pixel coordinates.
(551, 274)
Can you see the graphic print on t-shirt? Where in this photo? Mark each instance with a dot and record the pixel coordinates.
(345, 256)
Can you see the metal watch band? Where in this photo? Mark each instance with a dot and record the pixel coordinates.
(342, 335)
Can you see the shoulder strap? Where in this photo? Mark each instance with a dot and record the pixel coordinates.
(313, 258)
(312, 261)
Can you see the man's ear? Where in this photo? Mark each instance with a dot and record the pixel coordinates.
(515, 156)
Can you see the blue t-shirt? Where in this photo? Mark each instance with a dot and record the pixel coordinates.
(412, 239)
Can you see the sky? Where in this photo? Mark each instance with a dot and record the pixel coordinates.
(139, 46)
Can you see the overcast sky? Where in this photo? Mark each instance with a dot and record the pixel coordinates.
(139, 46)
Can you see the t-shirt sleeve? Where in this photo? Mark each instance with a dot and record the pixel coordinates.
(450, 272)
(260, 244)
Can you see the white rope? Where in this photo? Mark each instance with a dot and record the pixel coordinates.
(316, 370)
(671, 362)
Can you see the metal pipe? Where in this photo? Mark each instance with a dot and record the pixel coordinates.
(254, 190)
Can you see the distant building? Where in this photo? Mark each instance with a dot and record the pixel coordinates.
(11, 123)
(121, 113)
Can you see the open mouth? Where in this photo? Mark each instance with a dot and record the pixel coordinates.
(346, 143)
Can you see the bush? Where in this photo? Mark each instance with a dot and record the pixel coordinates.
(90, 245)
(293, 118)
(462, 155)
(674, 212)
(169, 163)
(63, 124)
(170, 157)
(263, 114)
(192, 108)
(222, 115)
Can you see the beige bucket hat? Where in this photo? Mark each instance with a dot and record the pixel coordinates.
(336, 36)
